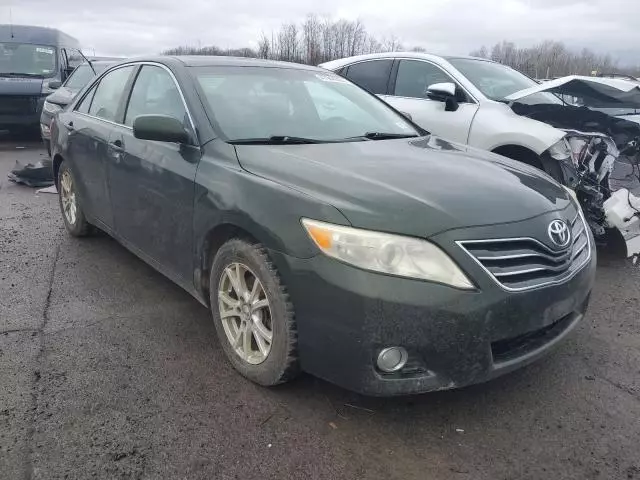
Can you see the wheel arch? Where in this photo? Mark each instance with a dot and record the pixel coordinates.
(211, 242)
(57, 161)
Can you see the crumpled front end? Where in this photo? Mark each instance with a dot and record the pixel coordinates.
(594, 159)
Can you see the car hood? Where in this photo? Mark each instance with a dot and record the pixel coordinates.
(20, 86)
(62, 96)
(594, 92)
(412, 186)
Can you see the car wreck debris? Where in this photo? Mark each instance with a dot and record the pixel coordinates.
(39, 174)
(602, 150)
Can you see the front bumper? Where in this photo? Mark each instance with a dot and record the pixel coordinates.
(345, 316)
(28, 118)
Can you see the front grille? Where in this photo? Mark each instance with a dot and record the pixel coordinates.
(524, 263)
(18, 104)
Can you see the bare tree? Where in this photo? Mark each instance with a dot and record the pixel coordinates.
(551, 59)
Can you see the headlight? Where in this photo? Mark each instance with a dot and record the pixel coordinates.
(560, 150)
(386, 253)
(51, 107)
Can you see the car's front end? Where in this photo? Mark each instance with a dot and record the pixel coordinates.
(457, 266)
(53, 104)
(381, 334)
(25, 74)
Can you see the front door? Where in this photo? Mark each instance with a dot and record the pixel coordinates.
(409, 96)
(152, 183)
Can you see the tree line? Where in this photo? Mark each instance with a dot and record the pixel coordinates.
(313, 41)
(551, 59)
(320, 39)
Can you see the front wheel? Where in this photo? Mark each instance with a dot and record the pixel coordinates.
(70, 204)
(252, 314)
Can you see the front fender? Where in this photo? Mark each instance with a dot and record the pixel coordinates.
(496, 125)
(225, 194)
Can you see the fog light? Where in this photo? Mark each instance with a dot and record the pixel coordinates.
(392, 359)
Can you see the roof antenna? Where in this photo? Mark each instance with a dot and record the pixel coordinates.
(11, 23)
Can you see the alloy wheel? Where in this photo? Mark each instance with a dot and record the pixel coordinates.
(68, 196)
(245, 313)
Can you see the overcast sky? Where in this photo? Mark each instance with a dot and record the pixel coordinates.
(116, 27)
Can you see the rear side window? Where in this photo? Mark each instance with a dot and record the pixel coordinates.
(414, 77)
(155, 92)
(108, 95)
(372, 75)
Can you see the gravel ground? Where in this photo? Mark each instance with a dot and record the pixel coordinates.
(108, 370)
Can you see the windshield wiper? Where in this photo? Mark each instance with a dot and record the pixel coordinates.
(276, 140)
(16, 74)
(384, 136)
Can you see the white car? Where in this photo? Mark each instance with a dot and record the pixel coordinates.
(493, 107)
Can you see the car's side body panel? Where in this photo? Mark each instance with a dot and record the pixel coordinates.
(496, 125)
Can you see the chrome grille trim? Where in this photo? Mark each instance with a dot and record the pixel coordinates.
(532, 258)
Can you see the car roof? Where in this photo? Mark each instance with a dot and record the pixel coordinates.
(219, 61)
(36, 35)
(334, 64)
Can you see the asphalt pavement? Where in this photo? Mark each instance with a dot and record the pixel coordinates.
(109, 370)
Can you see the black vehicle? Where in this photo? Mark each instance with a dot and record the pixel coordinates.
(63, 95)
(33, 60)
(326, 231)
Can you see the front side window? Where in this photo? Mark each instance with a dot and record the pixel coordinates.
(155, 93)
(74, 57)
(497, 81)
(109, 92)
(80, 77)
(256, 103)
(414, 77)
(372, 75)
(22, 59)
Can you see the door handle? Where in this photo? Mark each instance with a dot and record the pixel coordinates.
(117, 146)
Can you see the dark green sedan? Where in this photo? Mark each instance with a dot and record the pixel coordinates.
(326, 231)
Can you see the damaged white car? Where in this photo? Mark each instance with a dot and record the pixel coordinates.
(491, 106)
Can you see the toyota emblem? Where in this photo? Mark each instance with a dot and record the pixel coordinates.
(559, 233)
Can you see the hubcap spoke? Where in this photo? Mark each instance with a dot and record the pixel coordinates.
(260, 329)
(246, 341)
(260, 304)
(262, 345)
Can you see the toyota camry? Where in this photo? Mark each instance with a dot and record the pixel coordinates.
(326, 231)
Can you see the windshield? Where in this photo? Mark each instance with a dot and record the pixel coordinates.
(256, 102)
(498, 81)
(27, 60)
(80, 77)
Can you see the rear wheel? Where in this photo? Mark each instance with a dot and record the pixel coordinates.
(70, 204)
(252, 314)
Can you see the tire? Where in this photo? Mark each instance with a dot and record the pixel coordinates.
(75, 223)
(239, 258)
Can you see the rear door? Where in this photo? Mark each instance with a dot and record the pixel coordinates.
(408, 89)
(372, 75)
(152, 183)
(91, 125)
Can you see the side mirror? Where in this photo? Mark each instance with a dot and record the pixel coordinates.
(55, 84)
(444, 92)
(161, 128)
